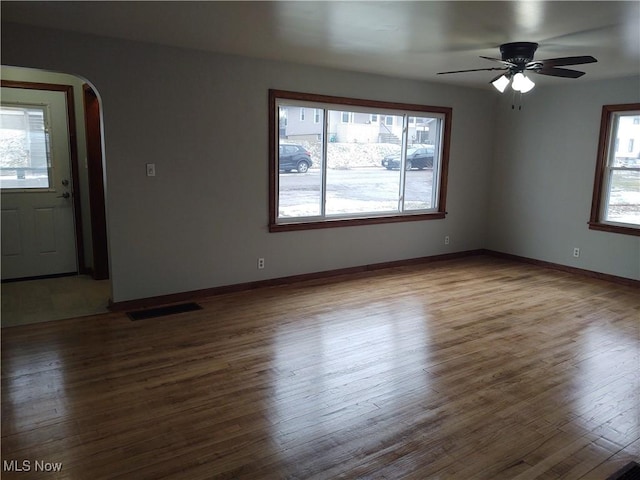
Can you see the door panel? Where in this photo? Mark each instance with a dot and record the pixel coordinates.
(38, 230)
(45, 230)
(11, 243)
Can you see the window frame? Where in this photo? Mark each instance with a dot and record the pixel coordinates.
(600, 185)
(438, 213)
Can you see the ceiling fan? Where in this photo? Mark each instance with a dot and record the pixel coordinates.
(517, 58)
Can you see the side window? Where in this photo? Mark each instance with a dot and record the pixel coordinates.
(615, 205)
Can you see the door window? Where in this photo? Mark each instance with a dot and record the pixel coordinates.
(25, 157)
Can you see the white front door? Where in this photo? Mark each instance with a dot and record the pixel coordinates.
(38, 230)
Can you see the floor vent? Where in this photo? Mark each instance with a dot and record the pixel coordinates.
(163, 311)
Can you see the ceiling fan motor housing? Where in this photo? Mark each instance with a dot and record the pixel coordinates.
(518, 53)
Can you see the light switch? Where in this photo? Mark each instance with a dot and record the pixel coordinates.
(151, 169)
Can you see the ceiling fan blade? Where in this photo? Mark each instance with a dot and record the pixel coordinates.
(508, 64)
(473, 70)
(559, 62)
(559, 72)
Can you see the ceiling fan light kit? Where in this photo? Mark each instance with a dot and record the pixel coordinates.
(521, 83)
(517, 58)
(501, 83)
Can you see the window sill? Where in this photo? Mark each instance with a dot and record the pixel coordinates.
(352, 222)
(608, 227)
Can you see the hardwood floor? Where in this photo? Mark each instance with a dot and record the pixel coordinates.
(478, 368)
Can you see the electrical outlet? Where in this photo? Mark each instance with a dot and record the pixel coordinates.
(260, 263)
(576, 252)
(446, 240)
(151, 169)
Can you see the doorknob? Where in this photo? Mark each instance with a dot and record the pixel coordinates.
(64, 195)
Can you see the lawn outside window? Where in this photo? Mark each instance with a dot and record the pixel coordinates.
(344, 167)
(616, 195)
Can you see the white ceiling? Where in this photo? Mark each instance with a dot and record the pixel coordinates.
(403, 39)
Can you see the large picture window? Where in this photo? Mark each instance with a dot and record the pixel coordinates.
(616, 196)
(349, 169)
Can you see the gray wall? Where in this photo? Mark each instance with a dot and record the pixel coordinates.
(202, 221)
(543, 173)
(520, 182)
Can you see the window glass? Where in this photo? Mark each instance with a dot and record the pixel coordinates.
(622, 203)
(421, 188)
(346, 117)
(299, 174)
(356, 183)
(24, 147)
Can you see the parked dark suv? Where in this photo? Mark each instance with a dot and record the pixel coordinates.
(419, 157)
(294, 157)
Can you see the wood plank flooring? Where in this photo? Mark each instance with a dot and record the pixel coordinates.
(477, 368)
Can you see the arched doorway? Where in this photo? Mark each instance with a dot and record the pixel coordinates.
(85, 290)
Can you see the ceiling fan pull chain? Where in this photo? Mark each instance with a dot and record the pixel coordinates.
(515, 101)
